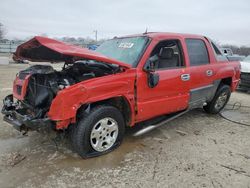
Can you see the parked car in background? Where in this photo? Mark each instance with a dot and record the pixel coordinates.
(230, 55)
(235, 57)
(93, 46)
(20, 61)
(227, 51)
(245, 74)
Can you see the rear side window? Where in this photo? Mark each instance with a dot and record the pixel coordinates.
(219, 56)
(216, 50)
(197, 52)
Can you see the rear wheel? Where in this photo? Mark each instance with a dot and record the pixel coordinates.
(219, 101)
(98, 132)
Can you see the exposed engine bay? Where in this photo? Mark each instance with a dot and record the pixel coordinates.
(43, 81)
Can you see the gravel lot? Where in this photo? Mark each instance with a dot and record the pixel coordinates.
(195, 150)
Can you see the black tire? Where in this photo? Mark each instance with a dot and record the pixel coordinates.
(80, 135)
(211, 107)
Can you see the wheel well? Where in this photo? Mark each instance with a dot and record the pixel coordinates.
(119, 102)
(226, 81)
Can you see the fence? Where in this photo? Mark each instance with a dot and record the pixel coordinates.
(9, 46)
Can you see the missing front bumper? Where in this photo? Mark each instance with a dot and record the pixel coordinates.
(20, 121)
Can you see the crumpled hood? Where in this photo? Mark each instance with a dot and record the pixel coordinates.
(43, 49)
(245, 66)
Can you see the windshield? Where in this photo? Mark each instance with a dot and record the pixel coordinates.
(127, 50)
(247, 59)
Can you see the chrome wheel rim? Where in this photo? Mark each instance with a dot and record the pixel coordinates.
(104, 134)
(221, 101)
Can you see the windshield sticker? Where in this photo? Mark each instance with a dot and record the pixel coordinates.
(126, 45)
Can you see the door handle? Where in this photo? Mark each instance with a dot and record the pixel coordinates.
(185, 77)
(209, 72)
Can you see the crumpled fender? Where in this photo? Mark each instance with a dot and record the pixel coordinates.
(68, 101)
(232, 71)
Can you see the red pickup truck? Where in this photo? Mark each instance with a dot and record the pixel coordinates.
(127, 81)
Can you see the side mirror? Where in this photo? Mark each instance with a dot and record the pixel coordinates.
(151, 63)
(149, 68)
(153, 79)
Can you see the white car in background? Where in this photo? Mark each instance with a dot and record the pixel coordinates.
(245, 73)
(230, 55)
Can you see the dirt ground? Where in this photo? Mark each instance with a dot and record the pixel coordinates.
(195, 150)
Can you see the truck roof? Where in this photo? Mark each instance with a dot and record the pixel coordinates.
(164, 34)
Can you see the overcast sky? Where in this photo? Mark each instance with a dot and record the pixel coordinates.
(226, 21)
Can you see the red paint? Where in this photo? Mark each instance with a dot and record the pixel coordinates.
(67, 101)
(63, 50)
(170, 95)
(63, 124)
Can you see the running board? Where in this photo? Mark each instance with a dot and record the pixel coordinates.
(152, 127)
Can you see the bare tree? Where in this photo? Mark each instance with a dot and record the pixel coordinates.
(242, 50)
(2, 31)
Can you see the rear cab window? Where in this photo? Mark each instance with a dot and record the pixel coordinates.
(197, 52)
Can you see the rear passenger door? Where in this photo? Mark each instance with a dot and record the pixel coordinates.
(202, 85)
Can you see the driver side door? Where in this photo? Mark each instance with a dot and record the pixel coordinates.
(171, 94)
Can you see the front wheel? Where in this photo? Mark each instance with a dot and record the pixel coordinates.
(98, 132)
(219, 101)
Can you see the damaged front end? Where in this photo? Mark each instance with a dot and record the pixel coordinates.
(26, 108)
(35, 88)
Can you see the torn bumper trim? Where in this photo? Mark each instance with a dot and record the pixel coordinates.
(23, 122)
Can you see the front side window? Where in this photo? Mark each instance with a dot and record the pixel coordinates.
(197, 52)
(127, 50)
(167, 55)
